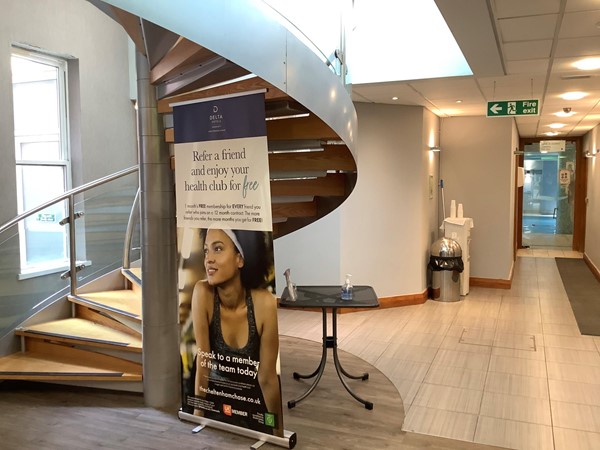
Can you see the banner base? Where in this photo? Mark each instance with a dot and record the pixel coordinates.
(288, 440)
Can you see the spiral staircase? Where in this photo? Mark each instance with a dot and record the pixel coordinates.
(312, 168)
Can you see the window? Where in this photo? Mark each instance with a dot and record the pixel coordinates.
(42, 157)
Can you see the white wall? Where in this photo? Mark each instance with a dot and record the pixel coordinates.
(383, 232)
(591, 141)
(104, 114)
(312, 254)
(477, 166)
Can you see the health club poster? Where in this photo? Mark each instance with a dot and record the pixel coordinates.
(229, 338)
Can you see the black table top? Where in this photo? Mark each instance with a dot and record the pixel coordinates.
(330, 297)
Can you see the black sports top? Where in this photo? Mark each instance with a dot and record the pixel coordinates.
(217, 342)
(233, 377)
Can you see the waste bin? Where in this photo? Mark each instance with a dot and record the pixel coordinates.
(446, 265)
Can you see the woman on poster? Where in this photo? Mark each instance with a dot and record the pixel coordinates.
(235, 327)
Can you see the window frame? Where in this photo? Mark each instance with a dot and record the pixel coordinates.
(63, 160)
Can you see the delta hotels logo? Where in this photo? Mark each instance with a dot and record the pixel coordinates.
(216, 116)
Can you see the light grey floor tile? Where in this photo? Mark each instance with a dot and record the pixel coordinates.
(539, 353)
(465, 360)
(518, 366)
(573, 372)
(367, 349)
(455, 343)
(456, 377)
(513, 407)
(415, 353)
(570, 342)
(572, 356)
(420, 339)
(517, 341)
(597, 342)
(565, 439)
(512, 434)
(477, 336)
(511, 384)
(427, 327)
(576, 416)
(519, 326)
(448, 398)
(437, 422)
(476, 322)
(561, 329)
(573, 392)
(402, 369)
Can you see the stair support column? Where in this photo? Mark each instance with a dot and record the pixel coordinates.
(160, 332)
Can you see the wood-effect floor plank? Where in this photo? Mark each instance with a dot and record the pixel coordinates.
(83, 418)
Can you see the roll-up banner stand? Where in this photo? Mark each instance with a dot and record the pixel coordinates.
(228, 310)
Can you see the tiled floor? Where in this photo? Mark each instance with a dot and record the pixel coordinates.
(501, 367)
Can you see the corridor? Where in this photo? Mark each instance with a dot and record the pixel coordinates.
(502, 367)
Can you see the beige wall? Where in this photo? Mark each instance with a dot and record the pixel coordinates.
(103, 114)
(477, 166)
(383, 232)
(591, 141)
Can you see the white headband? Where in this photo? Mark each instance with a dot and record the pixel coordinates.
(231, 236)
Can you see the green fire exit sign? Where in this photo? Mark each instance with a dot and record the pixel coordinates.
(513, 108)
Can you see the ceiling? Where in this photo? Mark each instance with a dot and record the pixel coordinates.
(517, 50)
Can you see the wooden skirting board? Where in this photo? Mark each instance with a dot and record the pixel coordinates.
(490, 283)
(592, 266)
(417, 299)
(384, 302)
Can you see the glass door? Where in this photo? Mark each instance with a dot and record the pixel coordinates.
(548, 197)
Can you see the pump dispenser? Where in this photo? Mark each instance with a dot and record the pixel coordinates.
(347, 288)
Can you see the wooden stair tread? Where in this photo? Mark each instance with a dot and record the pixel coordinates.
(123, 301)
(74, 329)
(36, 366)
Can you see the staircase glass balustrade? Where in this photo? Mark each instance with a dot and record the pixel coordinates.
(101, 212)
(324, 33)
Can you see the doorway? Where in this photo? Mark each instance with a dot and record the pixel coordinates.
(548, 206)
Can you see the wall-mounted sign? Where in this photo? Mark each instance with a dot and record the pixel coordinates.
(45, 217)
(552, 146)
(513, 108)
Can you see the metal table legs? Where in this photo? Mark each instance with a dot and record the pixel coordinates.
(330, 342)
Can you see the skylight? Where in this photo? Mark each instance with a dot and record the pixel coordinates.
(402, 40)
(387, 40)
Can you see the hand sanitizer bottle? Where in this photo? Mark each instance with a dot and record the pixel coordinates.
(347, 288)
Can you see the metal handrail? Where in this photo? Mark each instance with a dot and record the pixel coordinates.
(129, 231)
(66, 195)
(70, 196)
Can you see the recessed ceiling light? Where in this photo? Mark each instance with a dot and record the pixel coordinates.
(556, 125)
(458, 101)
(573, 95)
(552, 133)
(587, 64)
(394, 98)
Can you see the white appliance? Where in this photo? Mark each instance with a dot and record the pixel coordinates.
(459, 229)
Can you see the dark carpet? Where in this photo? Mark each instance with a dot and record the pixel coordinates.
(583, 290)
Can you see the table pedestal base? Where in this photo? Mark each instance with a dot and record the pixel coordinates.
(330, 342)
